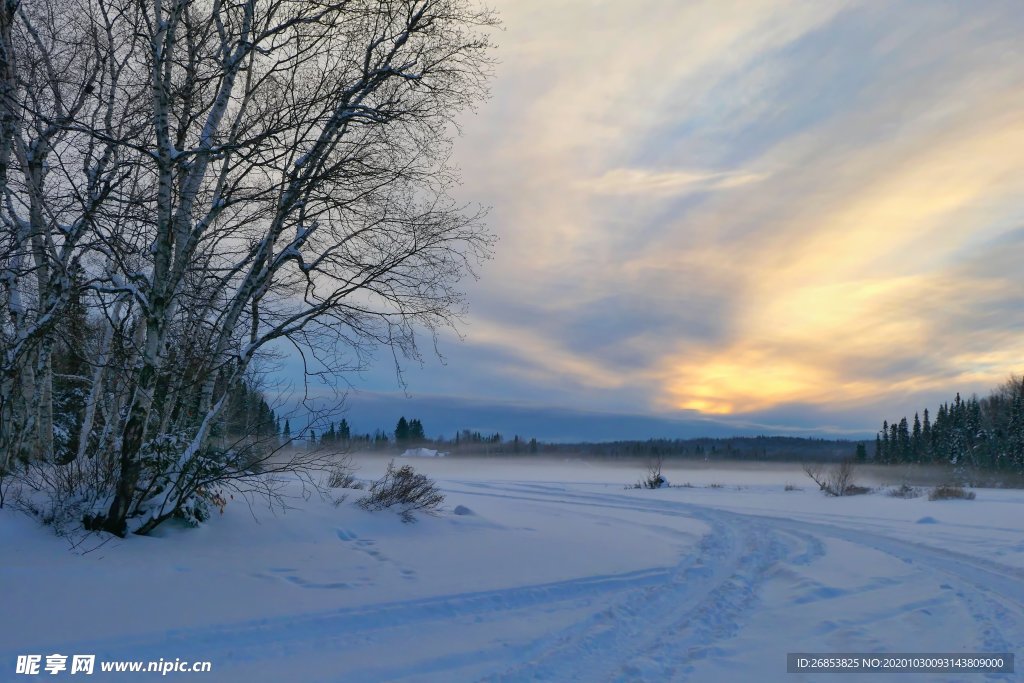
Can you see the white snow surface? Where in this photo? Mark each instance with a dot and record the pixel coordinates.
(559, 573)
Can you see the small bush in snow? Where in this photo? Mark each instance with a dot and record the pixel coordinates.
(58, 494)
(947, 492)
(404, 488)
(342, 474)
(905, 491)
(654, 479)
(199, 507)
(836, 482)
(792, 487)
(341, 478)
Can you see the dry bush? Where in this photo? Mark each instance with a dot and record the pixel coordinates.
(950, 492)
(654, 479)
(342, 475)
(340, 478)
(837, 481)
(854, 490)
(905, 491)
(405, 488)
(841, 478)
(816, 472)
(792, 487)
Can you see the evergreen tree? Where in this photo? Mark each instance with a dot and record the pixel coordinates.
(894, 443)
(926, 438)
(344, 431)
(915, 439)
(886, 445)
(287, 433)
(402, 432)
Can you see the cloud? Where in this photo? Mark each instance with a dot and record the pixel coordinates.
(666, 183)
(743, 208)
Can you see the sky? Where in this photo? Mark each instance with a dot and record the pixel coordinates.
(733, 217)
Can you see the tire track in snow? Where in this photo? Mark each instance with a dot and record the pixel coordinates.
(594, 643)
(992, 593)
(266, 638)
(655, 624)
(658, 634)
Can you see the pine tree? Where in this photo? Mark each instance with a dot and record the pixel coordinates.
(926, 438)
(915, 439)
(904, 440)
(402, 432)
(886, 444)
(287, 433)
(416, 432)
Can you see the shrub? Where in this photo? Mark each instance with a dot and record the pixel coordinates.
(654, 480)
(836, 482)
(342, 474)
(791, 487)
(949, 492)
(341, 478)
(405, 488)
(854, 490)
(905, 491)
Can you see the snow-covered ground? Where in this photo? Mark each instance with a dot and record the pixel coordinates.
(556, 573)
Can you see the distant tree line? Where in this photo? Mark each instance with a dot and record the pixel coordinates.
(986, 433)
(407, 432)
(765, 448)
(410, 432)
(777, 448)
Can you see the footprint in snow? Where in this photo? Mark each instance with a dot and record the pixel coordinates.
(346, 535)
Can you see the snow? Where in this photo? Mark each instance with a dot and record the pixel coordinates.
(535, 570)
(422, 453)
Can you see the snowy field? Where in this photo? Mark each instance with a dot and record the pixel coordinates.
(557, 573)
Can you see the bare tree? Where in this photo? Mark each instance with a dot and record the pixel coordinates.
(837, 481)
(52, 181)
(654, 478)
(231, 174)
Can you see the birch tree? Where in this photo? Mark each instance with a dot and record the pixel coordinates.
(248, 171)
